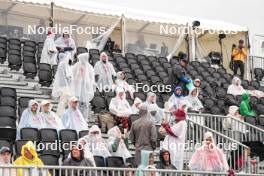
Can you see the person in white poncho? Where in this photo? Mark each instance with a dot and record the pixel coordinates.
(49, 51)
(121, 82)
(156, 113)
(50, 118)
(118, 143)
(84, 83)
(120, 107)
(73, 118)
(65, 44)
(30, 118)
(193, 102)
(63, 86)
(96, 143)
(104, 73)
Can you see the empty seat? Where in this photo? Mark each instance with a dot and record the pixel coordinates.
(150, 73)
(18, 146)
(141, 96)
(222, 71)
(27, 59)
(30, 134)
(68, 135)
(8, 92)
(114, 161)
(93, 51)
(6, 143)
(258, 72)
(141, 78)
(14, 62)
(81, 50)
(50, 160)
(8, 122)
(48, 134)
(195, 64)
(8, 133)
(99, 161)
(255, 84)
(205, 65)
(83, 133)
(141, 57)
(131, 61)
(134, 66)
(152, 58)
(30, 70)
(245, 84)
(14, 41)
(45, 74)
(251, 120)
(7, 111)
(7, 101)
(132, 161)
(23, 101)
(120, 59)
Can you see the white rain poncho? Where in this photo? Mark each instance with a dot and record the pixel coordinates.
(115, 135)
(63, 82)
(119, 106)
(73, 119)
(49, 51)
(30, 119)
(84, 80)
(209, 157)
(156, 113)
(235, 88)
(175, 99)
(96, 143)
(62, 42)
(194, 104)
(120, 82)
(135, 107)
(105, 72)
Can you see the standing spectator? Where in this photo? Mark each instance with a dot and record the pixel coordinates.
(143, 133)
(73, 118)
(209, 157)
(239, 56)
(244, 108)
(5, 160)
(165, 161)
(77, 159)
(195, 105)
(84, 83)
(120, 107)
(121, 82)
(30, 118)
(65, 44)
(156, 113)
(174, 141)
(63, 86)
(175, 99)
(104, 73)
(29, 157)
(50, 118)
(49, 51)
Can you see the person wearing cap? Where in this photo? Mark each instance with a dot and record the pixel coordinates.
(175, 99)
(50, 118)
(104, 73)
(121, 82)
(143, 133)
(120, 107)
(73, 118)
(63, 86)
(65, 44)
(239, 55)
(49, 51)
(156, 113)
(30, 118)
(174, 141)
(5, 160)
(84, 83)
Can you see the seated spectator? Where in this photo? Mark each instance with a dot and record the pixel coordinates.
(77, 159)
(194, 104)
(165, 161)
(197, 84)
(209, 157)
(120, 107)
(5, 160)
(29, 157)
(235, 88)
(156, 113)
(244, 108)
(135, 107)
(66, 44)
(147, 162)
(118, 143)
(86, 150)
(96, 143)
(50, 118)
(30, 118)
(121, 82)
(73, 118)
(175, 99)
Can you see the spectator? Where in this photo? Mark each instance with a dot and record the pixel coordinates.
(209, 157)
(195, 105)
(156, 113)
(120, 107)
(165, 161)
(49, 51)
(50, 118)
(29, 157)
(175, 99)
(63, 86)
(197, 84)
(244, 108)
(235, 88)
(104, 73)
(143, 133)
(239, 55)
(96, 143)
(73, 118)
(77, 159)
(30, 118)
(118, 143)
(147, 162)
(5, 160)
(121, 82)
(135, 107)
(174, 141)
(84, 82)
(86, 150)
(65, 44)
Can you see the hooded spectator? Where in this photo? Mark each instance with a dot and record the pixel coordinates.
(136, 105)
(175, 99)
(244, 108)
(121, 82)
(195, 105)
(165, 161)
(235, 88)
(156, 113)
(49, 51)
(147, 162)
(65, 44)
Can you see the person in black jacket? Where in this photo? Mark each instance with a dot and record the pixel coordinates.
(165, 162)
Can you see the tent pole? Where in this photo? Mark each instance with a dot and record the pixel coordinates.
(123, 35)
(51, 13)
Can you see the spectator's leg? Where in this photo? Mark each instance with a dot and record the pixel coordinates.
(242, 68)
(110, 122)
(103, 121)
(235, 67)
(62, 104)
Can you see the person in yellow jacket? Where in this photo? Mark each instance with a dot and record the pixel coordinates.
(29, 157)
(239, 56)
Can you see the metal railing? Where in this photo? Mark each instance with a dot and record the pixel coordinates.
(239, 130)
(255, 62)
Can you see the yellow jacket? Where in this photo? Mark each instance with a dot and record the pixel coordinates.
(239, 55)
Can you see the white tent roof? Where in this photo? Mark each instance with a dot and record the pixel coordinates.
(134, 14)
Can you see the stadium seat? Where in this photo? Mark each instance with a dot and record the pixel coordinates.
(151, 59)
(68, 135)
(141, 57)
(7, 111)
(205, 65)
(94, 51)
(48, 135)
(8, 92)
(54, 70)
(81, 50)
(30, 134)
(129, 76)
(259, 109)
(259, 74)
(195, 64)
(253, 101)
(120, 60)
(3, 49)
(18, 146)
(14, 41)
(138, 72)
(28, 59)
(155, 79)
(141, 96)
(174, 61)
(83, 133)
(230, 100)
(159, 69)
(255, 84)
(239, 98)
(211, 70)
(99, 161)
(134, 66)
(23, 101)
(251, 120)
(144, 62)
(222, 71)
(8, 133)
(114, 161)
(8, 101)
(21, 110)
(122, 65)
(150, 73)
(245, 84)
(215, 110)
(14, 62)
(132, 161)
(30, 70)
(216, 75)
(200, 69)
(6, 143)
(131, 61)
(8, 122)
(155, 64)
(45, 74)
(49, 160)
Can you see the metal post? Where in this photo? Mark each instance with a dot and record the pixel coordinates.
(51, 14)
(123, 35)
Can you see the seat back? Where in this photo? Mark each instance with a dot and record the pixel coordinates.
(8, 133)
(99, 161)
(114, 161)
(48, 135)
(7, 111)
(31, 134)
(49, 160)
(83, 133)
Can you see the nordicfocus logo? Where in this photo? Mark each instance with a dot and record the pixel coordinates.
(59, 29)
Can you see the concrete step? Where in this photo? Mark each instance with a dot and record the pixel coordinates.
(2, 75)
(18, 87)
(8, 79)
(34, 96)
(35, 92)
(5, 82)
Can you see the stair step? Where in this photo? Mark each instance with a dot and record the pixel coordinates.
(5, 76)
(35, 92)
(18, 87)
(4, 82)
(8, 79)
(34, 96)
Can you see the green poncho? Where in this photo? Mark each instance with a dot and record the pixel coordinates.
(244, 108)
